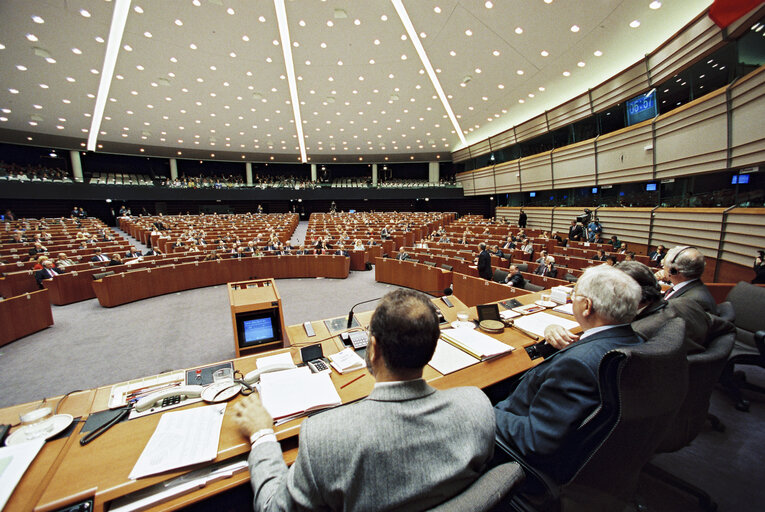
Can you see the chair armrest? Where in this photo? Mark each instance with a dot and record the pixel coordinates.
(759, 341)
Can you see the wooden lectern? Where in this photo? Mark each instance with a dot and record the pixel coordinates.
(256, 314)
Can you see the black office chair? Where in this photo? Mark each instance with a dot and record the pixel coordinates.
(499, 275)
(522, 267)
(533, 287)
(413, 260)
(747, 301)
(571, 278)
(704, 370)
(100, 275)
(430, 263)
(641, 389)
(446, 267)
(487, 492)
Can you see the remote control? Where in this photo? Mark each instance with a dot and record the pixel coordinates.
(309, 329)
(447, 301)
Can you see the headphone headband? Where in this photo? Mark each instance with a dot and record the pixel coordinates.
(672, 268)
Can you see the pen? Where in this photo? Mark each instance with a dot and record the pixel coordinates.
(532, 336)
(351, 382)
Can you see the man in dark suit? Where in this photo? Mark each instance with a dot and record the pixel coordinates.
(575, 232)
(98, 257)
(552, 399)
(407, 446)
(509, 244)
(402, 255)
(684, 265)
(48, 272)
(658, 254)
(522, 219)
(484, 262)
(514, 277)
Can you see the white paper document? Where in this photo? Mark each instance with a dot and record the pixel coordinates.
(537, 323)
(181, 439)
(290, 393)
(347, 360)
(277, 359)
(475, 343)
(14, 461)
(566, 309)
(448, 359)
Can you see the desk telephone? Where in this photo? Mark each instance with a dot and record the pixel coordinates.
(357, 339)
(177, 394)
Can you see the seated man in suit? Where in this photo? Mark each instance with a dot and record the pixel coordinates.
(98, 256)
(405, 447)
(658, 254)
(547, 267)
(402, 255)
(552, 399)
(48, 271)
(655, 312)
(509, 244)
(557, 238)
(683, 266)
(132, 253)
(514, 277)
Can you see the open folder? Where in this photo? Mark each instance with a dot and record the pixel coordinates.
(292, 393)
(475, 343)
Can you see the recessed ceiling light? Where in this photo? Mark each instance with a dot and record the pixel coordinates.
(597, 53)
(139, 67)
(521, 100)
(566, 73)
(574, 28)
(138, 9)
(21, 68)
(488, 5)
(495, 53)
(531, 95)
(38, 19)
(437, 9)
(654, 5)
(330, 23)
(548, 1)
(231, 11)
(32, 123)
(44, 86)
(2, 46)
(99, 39)
(178, 22)
(468, 32)
(276, 42)
(66, 101)
(13, 91)
(193, 46)
(32, 37)
(84, 13)
(544, 53)
(76, 51)
(500, 86)
(357, 22)
(37, 107)
(580, 64)
(518, 30)
(70, 79)
(6, 111)
(634, 24)
(147, 34)
(403, 56)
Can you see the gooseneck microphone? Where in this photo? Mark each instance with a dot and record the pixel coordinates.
(445, 291)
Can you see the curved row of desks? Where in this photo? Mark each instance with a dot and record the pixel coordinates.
(24, 315)
(144, 283)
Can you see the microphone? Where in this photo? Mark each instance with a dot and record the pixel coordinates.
(350, 313)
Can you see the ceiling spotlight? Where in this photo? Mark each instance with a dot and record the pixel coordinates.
(654, 5)
(574, 28)
(84, 13)
(634, 24)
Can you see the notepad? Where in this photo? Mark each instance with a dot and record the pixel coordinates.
(537, 323)
(448, 359)
(475, 343)
(292, 393)
(346, 361)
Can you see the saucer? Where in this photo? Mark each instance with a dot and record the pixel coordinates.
(60, 423)
(463, 325)
(546, 303)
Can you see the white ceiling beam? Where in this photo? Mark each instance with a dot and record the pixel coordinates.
(284, 34)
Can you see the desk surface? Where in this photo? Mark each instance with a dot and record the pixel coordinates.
(65, 472)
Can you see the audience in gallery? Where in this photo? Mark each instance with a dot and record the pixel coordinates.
(447, 435)
(550, 401)
(11, 171)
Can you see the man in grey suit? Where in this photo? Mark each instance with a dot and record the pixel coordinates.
(683, 266)
(407, 446)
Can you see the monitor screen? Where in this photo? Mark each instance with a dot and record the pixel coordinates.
(641, 108)
(258, 327)
(739, 179)
(594, 190)
(650, 187)
(532, 194)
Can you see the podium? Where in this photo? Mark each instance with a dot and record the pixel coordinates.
(256, 315)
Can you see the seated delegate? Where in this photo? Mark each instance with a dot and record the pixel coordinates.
(552, 400)
(405, 447)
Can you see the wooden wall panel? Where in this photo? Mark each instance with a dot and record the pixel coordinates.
(571, 111)
(574, 165)
(748, 113)
(744, 235)
(697, 39)
(562, 218)
(693, 138)
(461, 155)
(538, 218)
(503, 139)
(700, 227)
(531, 128)
(622, 155)
(508, 177)
(628, 224)
(480, 148)
(626, 84)
(483, 180)
(536, 172)
(507, 212)
(466, 180)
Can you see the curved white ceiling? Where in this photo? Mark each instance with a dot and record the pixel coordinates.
(211, 75)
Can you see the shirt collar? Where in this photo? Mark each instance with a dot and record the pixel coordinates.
(595, 330)
(679, 286)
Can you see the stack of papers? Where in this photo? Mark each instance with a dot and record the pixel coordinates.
(14, 461)
(567, 309)
(346, 361)
(292, 393)
(537, 323)
(448, 359)
(475, 343)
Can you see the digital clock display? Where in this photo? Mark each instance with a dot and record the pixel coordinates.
(641, 108)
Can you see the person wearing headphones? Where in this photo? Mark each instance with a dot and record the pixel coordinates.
(683, 266)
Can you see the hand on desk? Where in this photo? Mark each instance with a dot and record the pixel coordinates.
(558, 336)
(250, 415)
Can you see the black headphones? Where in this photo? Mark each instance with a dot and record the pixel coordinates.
(672, 268)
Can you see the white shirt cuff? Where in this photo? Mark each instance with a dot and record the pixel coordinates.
(262, 436)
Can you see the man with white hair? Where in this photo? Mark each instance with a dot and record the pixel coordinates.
(683, 266)
(554, 398)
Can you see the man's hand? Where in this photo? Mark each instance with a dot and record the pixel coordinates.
(558, 336)
(250, 415)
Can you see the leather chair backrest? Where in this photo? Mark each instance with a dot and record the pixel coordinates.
(485, 493)
(499, 275)
(747, 300)
(522, 267)
(533, 287)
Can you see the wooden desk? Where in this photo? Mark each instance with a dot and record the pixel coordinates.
(65, 472)
(419, 276)
(23, 315)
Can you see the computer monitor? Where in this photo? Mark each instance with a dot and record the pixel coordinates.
(650, 187)
(642, 108)
(258, 327)
(532, 194)
(739, 179)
